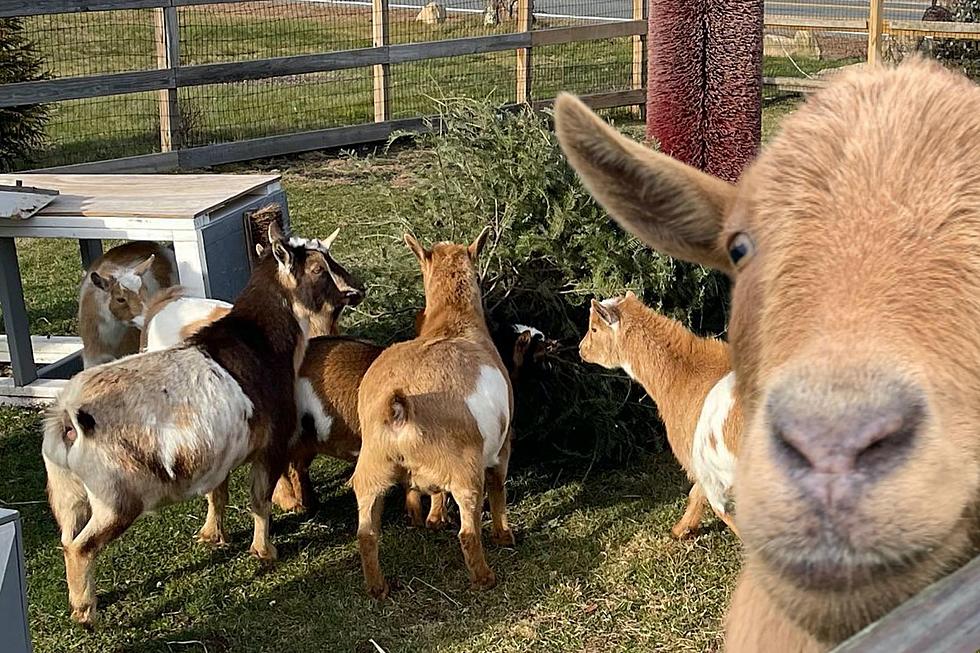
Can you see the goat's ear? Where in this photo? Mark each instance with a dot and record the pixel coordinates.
(328, 242)
(420, 252)
(523, 340)
(630, 294)
(608, 313)
(477, 245)
(99, 281)
(280, 249)
(143, 267)
(672, 207)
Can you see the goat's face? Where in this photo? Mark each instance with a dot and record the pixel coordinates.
(125, 294)
(854, 244)
(449, 270)
(601, 343)
(320, 286)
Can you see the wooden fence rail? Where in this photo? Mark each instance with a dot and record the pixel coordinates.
(171, 74)
(944, 617)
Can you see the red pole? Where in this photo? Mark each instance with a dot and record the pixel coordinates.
(704, 101)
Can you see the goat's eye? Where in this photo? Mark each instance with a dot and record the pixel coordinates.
(594, 330)
(740, 247)
(317, 270)
(120, 300)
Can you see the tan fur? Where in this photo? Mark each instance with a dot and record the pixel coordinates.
(864, 220)
(415, 420)
(335, 367)
(676, 368)
(116, 307)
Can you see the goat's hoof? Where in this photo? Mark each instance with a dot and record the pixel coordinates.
(503, 537)
(683, 532)
(415, 519)
(378, 591)
(266, 554)
(484, 580)
(85, 615)
(436, 523)
(213, 538)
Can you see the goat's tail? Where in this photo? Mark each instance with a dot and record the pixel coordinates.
(66, 492)
(400, 410)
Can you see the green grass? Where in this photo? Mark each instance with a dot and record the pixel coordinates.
(594, 568)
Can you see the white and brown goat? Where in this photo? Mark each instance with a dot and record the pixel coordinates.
(436, 412)
(170, 316)
(691, 382)
(113, 298)
(326, 403)
(854, 245)
(125, 437)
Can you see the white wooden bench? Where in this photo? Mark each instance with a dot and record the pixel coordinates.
(202, 215)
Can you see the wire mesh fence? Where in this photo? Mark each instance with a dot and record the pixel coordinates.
(807, 40)
(95, 43)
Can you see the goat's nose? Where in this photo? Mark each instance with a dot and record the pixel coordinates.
(353, 296)
(835, 436)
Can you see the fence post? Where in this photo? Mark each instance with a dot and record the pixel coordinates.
(379, 30)
(167, 31)
(876, 26)
(525, 16)
(639, 56)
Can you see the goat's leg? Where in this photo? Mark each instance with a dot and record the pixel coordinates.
(263, 474)
(437, 512)
(413, 507)
(213, 531)
(688, 524)
(106, 524)
(68, 500)
(294, 490)
(470, 501)
(729, 521)
(496, 477)
(284, 495)
(369, 505)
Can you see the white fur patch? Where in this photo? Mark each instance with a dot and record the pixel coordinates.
(490, 407)
(308, 403)
(521, 328)
(212, 424)
(714, 466)
(130, 281)
(164, 329)
(629, 370)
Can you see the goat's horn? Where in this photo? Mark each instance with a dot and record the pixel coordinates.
(328, 241)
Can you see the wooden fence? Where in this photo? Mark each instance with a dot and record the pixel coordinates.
(876, 28)
(171, 75)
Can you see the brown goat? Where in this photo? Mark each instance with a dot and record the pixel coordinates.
(113, 297)
(854, 244)
(436, 412)
(127, 436)
(690, 380)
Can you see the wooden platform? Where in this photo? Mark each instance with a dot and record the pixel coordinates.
(47, 349)
(203, 216)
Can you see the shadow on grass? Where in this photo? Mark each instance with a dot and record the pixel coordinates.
(158, 588)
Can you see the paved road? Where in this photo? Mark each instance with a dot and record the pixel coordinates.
(622, 9)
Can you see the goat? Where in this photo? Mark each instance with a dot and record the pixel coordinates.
(326, 397)
(113, 297)
(691, 382)
(854, 245)
(125, 437)
(326, 405)
(436, 412)
(171, 317)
